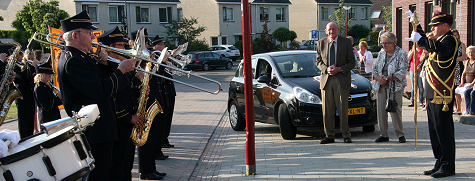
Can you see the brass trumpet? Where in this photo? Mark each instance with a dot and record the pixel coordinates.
(143, 55)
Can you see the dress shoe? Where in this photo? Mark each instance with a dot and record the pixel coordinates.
(167, 145)
(327, 140)
(161, 174)
(347, 140)
(163, 157)
(381, 139)
(442, 173)
(402, 139)
(430, 172)
(150, 176)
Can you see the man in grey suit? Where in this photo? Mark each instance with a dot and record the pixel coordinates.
(335, 59)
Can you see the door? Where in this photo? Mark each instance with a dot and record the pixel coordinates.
(263, 93)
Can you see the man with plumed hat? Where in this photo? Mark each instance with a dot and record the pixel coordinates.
(86, 80)
(439, 90)
(45, 97)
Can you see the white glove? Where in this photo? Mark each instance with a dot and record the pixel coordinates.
(409, 14)
(3, 149)
(415, 37)
(13, 136)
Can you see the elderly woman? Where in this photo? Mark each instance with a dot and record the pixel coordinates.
(467, 82)
(390, 75)
(366, 59)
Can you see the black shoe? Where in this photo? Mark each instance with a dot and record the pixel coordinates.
(163, 157)
(171, 146)
(430, 172)
(167, 145)
(410, 105)
(161, 174)
(327, 140)
(347, 140)
(442, 173)
(381, 139)
(402, 139)
(150, 176)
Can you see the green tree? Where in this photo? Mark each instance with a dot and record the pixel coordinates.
(267, 43)
(184, 31)
(339, 17)
(36, 16)
(359, 31)
(388, 17)
(283, 34)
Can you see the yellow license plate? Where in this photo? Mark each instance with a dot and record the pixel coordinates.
(236, 54)
(355, 111)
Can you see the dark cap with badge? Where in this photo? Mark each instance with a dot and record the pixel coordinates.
(157, 40)
(45, 68)
(439, 17)
(112, 36)
(80, 20)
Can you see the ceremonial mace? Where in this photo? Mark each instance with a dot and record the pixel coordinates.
(414, 21)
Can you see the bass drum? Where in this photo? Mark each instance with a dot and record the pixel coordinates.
(63, 155)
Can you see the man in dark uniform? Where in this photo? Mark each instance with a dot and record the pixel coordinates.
(167, 94)
(26, 105)
(439, 91)
(85, 80)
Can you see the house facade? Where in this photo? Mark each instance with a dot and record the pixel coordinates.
(106, 14)
(222, 18)
(308, 15)
(463, 11)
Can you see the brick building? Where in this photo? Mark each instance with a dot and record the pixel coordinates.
(463, 11)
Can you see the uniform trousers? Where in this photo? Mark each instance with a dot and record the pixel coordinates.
(146, 152)
(123, 162)
(396, 117)
(168, 119)
(442, 138)
(334, 96)
(26, 115)
(102, 153)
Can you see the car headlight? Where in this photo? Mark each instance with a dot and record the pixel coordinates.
(373, 95)
(305, 96)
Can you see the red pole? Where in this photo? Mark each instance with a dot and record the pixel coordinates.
(248, 90)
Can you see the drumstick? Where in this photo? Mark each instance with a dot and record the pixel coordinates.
(7, 142)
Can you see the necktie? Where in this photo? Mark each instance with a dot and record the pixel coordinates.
(332, 54)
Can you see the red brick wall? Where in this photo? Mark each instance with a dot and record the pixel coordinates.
(463, 23)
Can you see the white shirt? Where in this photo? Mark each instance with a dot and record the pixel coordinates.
(368, 65)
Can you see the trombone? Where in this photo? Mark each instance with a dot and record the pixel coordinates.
(143, 55)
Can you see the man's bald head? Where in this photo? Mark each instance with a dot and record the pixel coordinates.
(332, 30)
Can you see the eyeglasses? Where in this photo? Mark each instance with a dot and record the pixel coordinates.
(386, 43)
(87, 32)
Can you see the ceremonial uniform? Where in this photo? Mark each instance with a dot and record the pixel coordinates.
(83, 82)
(167, 94)
(26, 106)
(439, 92)
(46, 100)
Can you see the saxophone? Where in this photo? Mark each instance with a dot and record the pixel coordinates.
(8, 92)
(139, 135)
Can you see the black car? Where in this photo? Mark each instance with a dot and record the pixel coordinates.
(206, 60)
(286, 93)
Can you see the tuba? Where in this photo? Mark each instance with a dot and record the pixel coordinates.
(139, 135)
(8, 92)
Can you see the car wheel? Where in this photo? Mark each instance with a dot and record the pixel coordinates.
(229, 65)
(368, 128)
(287, 129)
(237, 121)
(205, 67)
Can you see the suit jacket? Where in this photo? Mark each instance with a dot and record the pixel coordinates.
(126, 105)
(344, 59)
(47, 103)
(84, 82)
(24, 80)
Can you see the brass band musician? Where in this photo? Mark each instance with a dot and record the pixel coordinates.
(46, 100)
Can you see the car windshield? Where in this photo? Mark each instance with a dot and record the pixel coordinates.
(297, 65)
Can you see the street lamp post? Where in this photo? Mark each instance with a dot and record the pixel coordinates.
(347, 8)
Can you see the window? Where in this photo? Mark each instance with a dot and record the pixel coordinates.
(179, 14)
(224, 40)
(92, 11)
(214, 41)
(364, 13)
(237, 38)
(142, 14)
(324, 12)
(264, 14)
(279, 14)
(115, 14)
(165, 14)
(228, 14)
(352, 13)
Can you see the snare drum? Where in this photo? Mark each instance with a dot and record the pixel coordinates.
(63, 155)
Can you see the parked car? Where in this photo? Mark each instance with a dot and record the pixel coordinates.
(308, 44)
(206, 60)
(228, 51)
(287, 93)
